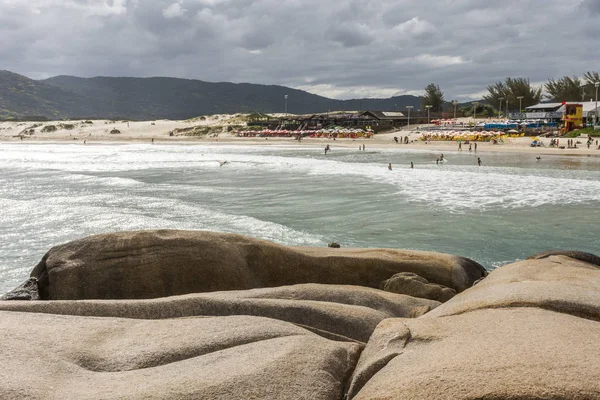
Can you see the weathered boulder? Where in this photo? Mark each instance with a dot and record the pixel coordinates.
(343, 312)
(528, 331)
(151, 264)
(414, 285)
(520, 353)
(556, 283)
(576, 255)
(68, 357)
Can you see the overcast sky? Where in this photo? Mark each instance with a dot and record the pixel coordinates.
(337, 48)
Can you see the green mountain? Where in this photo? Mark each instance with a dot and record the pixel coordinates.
(170, 98)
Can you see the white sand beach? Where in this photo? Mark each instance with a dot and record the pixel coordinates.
(214, 129)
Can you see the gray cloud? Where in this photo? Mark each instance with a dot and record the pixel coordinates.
(346, 48)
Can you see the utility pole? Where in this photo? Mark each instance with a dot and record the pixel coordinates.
(286, 97)
(596, 110)
(475, 105)
(428, 107)
(455, 104)
(520, 104)
(409, 108)
(500, 107)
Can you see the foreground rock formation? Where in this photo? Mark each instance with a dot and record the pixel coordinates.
(66, 357)
(529, 330)
(151, 264)
(340, 312)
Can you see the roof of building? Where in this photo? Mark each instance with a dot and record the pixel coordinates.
(384, 114)
(544, 106)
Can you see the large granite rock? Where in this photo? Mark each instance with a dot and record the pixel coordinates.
(529, 330)
(515, 353)
(151, 264)
(556, 283)
(576, 255)
(414, 285)
(342, 312)
(67, 357)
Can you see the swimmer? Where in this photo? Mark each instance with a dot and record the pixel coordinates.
(538, 158)
(221, 163)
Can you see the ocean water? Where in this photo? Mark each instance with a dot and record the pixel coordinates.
(511, 207)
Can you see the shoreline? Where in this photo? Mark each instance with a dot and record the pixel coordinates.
(375, 143)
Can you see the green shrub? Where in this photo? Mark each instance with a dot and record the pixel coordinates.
(49, 128)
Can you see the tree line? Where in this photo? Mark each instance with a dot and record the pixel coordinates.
(518, 93)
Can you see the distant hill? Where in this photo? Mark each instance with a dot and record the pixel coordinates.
(169, 98)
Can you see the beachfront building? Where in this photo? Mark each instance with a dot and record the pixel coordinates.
(554, 112)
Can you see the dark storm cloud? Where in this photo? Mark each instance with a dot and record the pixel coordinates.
(593, 6)
(346, 48)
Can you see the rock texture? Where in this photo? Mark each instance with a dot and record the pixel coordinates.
(151, 264)
(556, 283)
(28, 290)
(528, 331)
(342, 312)
(576, 255)
(417, 286)
(228, 358)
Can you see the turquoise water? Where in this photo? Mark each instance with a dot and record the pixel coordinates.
(511, 207)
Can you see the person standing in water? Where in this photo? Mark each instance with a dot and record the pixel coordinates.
(364, 147)
(327, 148)
(476, 146)
(390, 166)
(479, 161)
(412, 165)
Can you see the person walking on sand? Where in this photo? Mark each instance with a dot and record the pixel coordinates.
(479, 161)
(459, 146)
(390, 166)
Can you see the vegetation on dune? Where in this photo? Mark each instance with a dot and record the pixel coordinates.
(585, 132)
(49, 128)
